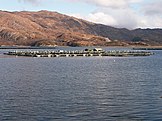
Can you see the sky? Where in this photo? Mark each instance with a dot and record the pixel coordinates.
(130, 14)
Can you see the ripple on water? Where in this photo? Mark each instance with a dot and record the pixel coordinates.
(81, 89)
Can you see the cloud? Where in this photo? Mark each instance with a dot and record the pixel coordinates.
(129, 14)
(123, 18)
(34, 2)
(151, 14)
(113, 3)
(116, 13)
(109, 3)
(153, 8)
(100, 17)
(148, 22)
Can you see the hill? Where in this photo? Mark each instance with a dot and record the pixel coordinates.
(45, 28)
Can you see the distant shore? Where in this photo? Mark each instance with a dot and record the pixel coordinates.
(25, 47)
(148, 48)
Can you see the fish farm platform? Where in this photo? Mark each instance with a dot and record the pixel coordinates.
(87, 53)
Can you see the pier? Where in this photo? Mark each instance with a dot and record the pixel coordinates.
(84, 53)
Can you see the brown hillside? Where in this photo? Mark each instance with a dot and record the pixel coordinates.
(51, 28)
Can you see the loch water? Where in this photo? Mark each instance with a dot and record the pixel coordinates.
(81, 88)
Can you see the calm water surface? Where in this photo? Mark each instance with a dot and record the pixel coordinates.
(81, 88)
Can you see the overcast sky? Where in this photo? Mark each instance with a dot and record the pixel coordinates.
(129, 14)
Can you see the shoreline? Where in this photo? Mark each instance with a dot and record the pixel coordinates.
(46, 47)
(148, 48)
(25, 47)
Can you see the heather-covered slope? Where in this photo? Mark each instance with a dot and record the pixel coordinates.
(52, 28)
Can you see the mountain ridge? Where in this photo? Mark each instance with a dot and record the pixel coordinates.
(46, 28)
